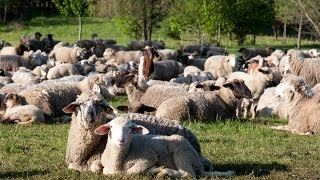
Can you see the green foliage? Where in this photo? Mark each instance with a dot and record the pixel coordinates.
(72, 7)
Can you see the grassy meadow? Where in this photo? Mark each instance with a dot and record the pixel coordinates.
(249, 147)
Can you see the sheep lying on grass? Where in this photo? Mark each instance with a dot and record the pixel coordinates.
(171, 156)
(303, 104)
(21, 114)
(205, 106)
(84, 148)
(89, 110)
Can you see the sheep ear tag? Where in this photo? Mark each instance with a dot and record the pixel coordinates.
(71, 107)
(137, 129)
(102, 130)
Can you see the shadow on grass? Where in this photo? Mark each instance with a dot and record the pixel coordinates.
(16, 174)
(252, 169)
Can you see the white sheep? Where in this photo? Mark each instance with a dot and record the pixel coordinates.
(221, 66)
(271, 105)
(90, 109)
(67, 54)
(256, 83)
(121, 57)
(84, 148)
(206, 106)
(24, 75)
(303, 105)
(16, 112)
(162, 155)
(308, 68)
(62, 70)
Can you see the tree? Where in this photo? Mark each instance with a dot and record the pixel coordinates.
(138, 18)
(244, 17)
(73, 7)
(311, 10)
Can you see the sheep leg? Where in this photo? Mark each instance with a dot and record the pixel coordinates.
(164, 172)
(281, 128)
(218, 173)
(253, 109)
(300, 133)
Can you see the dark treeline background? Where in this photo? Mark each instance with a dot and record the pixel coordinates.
(207, 20)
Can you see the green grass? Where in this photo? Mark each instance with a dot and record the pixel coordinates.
(250, 148)
(66, 29)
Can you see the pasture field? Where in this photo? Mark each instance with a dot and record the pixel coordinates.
(66, 29)
(249, 147)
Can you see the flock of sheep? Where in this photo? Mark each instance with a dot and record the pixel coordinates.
(46, 80)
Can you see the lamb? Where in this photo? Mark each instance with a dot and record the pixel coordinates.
(303, 106)
(62, 70)
(305, 67)
(15, 112)
(205, 106)
(90, 109)
(121, 57)
(256, 83)
(221, 66)
(248, 53)
(124, 152)
(67, 54)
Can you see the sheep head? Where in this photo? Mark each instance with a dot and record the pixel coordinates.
(239, 89)
(121, 129)
(90, 109)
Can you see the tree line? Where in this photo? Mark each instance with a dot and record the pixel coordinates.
(205, 20)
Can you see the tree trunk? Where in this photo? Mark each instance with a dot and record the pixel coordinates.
(219, 34)
(285, 29)
(299, 33)
(230, 38)
(5, 12)
(80, 28)
(314, 24)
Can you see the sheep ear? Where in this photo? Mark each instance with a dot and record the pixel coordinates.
(103, 129)
(96, 88)
(71, 107)
(137, 129)
(264, 71)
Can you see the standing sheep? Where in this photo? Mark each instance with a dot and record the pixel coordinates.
(127, 153)
(67, 54)
(221, 66)
(256, 83)
(303, 104)
(121, 57)
(13, 62)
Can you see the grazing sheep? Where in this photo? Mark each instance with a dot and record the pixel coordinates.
(15, 112)
(248, 53)
(67, 54)
(303, 105)
(308, 68)
(127, 153)
(221, 66)
(121, 57)
(62, 70)
(256, 83)
(205, 106)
